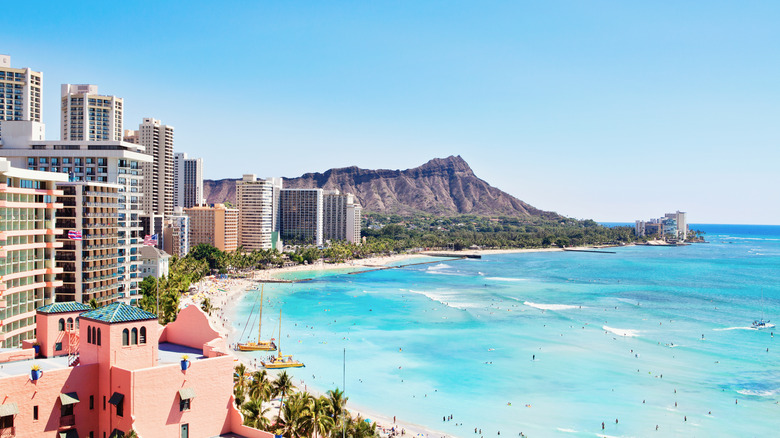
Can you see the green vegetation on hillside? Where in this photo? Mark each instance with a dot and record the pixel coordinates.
(461, 232)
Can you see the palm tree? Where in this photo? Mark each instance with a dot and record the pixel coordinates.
(255, 414)
(360, 428)
(293, 414)
(283, 385)
(317, 419)
(240, 380)
(336, 408)
(261, 387)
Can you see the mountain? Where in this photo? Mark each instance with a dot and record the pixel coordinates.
(443, 186)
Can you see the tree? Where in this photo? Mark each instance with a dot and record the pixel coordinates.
(255, 414)
(282, 386)
(317, 419)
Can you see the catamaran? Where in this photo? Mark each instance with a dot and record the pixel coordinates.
(761, 324)
(259, 345)
(280, 360)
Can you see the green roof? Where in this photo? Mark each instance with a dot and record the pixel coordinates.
(67, 306)
(118, 312)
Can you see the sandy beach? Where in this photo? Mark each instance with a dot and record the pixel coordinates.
(225, 293)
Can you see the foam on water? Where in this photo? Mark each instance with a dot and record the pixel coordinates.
(630, 333)
(504, 279)
(550, 306)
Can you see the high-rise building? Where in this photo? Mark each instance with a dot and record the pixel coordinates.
(114, 162)
(90, 262)
(187, 181)
(175, 233)
(157, 139)
(88, 116)
(339, 212)
(301, 216)
(27, 243)
(354, 222)
(255, 199)
(216, 226)
(20, 93)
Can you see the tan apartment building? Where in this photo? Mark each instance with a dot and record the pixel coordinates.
(157, 184)
(90, 264)
(28, 206)
(216, 226)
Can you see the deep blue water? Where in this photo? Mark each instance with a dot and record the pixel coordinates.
(553, 343)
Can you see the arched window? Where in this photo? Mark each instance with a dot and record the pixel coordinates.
(77, 322)
(94, 335)
(70, 324)
(89, 335)
(134, 336)
(125, 337)
(143, 335)
(98, 336)
(61, 325)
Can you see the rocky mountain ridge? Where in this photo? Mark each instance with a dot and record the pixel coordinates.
(442, 186)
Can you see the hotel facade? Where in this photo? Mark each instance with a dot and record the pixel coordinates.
(216, 226)
(28, 274)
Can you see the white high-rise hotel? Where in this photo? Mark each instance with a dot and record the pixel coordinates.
(187, 181)
(20, 93)
(88, 116)
(257, 207)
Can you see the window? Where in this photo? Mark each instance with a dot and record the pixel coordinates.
(120, 408)
(94, 335)
(134, 336)
(143, 335)
(61, 324)
(104, 402)
(91, 402)
(184, 405)
(35, 412)
(58, 346)
(98, 336)
(70, 324)
(125, 337)
(89, 335)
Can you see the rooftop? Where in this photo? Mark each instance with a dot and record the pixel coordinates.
(118, 312)
(69, 306)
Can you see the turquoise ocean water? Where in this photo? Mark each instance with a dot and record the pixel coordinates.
(648, 336)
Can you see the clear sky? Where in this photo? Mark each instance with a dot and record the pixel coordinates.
(610, 110)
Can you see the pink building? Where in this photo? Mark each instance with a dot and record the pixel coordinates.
(109, 370)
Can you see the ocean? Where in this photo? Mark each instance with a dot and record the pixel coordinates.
(551, 343)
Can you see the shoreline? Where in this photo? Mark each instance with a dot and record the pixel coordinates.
(224, 294)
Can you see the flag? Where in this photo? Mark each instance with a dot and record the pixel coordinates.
(150, 240)
(75, 235)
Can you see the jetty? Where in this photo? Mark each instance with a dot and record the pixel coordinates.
(274, 280)
(453, 255)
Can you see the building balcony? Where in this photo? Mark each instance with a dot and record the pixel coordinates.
(67, 420)
(5, 189)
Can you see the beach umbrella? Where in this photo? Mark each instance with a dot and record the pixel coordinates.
(367, 420)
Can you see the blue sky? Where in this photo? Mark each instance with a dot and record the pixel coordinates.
(606, 110)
